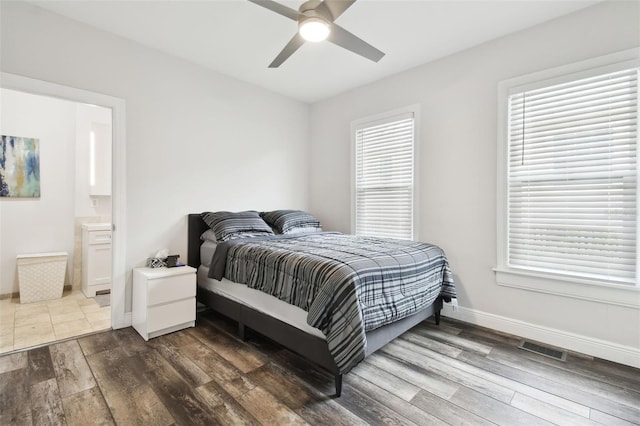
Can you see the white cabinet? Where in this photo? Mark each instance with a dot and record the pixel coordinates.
(96, 258)
(164, 300)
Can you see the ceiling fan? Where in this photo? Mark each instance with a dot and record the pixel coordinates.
(316, 23)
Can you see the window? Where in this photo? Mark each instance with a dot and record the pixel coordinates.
(568, 204)
(383, 198)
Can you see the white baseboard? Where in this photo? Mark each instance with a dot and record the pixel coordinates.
(574, 342)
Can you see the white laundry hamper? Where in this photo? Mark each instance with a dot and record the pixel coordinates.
(41, 276)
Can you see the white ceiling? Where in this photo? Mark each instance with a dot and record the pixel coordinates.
(240, 39)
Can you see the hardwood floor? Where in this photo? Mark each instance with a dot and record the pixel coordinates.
(453, 374)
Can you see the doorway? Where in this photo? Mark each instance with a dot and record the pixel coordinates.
(116, 107)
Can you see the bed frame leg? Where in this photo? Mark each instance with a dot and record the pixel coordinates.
(437, 316)
(241, 332)
(338, 379)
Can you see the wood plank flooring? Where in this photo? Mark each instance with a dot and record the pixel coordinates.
(454, 374)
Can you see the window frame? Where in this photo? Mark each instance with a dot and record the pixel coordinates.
(372, 119)
(543, 282)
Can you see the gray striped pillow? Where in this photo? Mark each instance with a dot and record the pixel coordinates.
(291, 221)
(229, 225)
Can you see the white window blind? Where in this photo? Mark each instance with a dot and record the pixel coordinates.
(572, 177)
(384, 177)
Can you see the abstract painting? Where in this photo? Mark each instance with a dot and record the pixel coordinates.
(19, 167)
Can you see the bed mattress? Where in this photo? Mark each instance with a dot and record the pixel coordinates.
(258, 300)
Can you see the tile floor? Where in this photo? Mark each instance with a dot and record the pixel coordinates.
(32, 324)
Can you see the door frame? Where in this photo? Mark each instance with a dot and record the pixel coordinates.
(118, 167)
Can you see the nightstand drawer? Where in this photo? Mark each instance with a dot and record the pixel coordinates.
(168, 289)
(171, 314)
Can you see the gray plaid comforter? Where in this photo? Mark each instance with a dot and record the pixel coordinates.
(347, 284)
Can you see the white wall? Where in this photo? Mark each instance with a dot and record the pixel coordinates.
(457, 160)
(44, 224)
(196, 140)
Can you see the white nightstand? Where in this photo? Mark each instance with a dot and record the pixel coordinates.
(164, 300)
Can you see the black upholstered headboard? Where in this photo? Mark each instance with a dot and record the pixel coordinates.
(196, 227)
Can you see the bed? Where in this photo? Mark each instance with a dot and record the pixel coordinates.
(284, 323)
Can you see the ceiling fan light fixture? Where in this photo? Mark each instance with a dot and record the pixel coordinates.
(316, 22)
(314, 29)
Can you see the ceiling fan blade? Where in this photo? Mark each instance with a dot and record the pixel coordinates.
(345, 39)
(335, 7)
(288, 50)
(278, 8)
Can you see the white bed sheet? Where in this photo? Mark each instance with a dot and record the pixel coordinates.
(259, 301)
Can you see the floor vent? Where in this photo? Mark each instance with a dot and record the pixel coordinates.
(543, 350)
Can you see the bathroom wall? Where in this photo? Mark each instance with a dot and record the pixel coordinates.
(44, 224)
